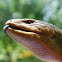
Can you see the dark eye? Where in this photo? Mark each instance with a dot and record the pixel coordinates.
(53, 37)
(28, 21)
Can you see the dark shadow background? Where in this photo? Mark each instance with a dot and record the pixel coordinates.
(47, 10)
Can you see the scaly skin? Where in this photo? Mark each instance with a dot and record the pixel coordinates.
(41, 38)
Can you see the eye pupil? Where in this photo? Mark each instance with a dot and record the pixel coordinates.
(28, 22)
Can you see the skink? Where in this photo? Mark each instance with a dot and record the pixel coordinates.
(41, 38)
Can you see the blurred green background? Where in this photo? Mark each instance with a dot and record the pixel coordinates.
(47, 10)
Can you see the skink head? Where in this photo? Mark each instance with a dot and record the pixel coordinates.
(31, 25)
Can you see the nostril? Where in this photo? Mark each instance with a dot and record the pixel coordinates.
(29, 21)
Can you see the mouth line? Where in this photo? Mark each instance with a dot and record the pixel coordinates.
(19, 28)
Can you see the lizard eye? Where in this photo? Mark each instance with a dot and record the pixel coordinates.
(29, 21)
(53, 37)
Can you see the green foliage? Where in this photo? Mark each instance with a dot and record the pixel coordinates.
(46, 10)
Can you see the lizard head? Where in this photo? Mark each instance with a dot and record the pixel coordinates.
(28, 29)
(34, 34)
(31, 26)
